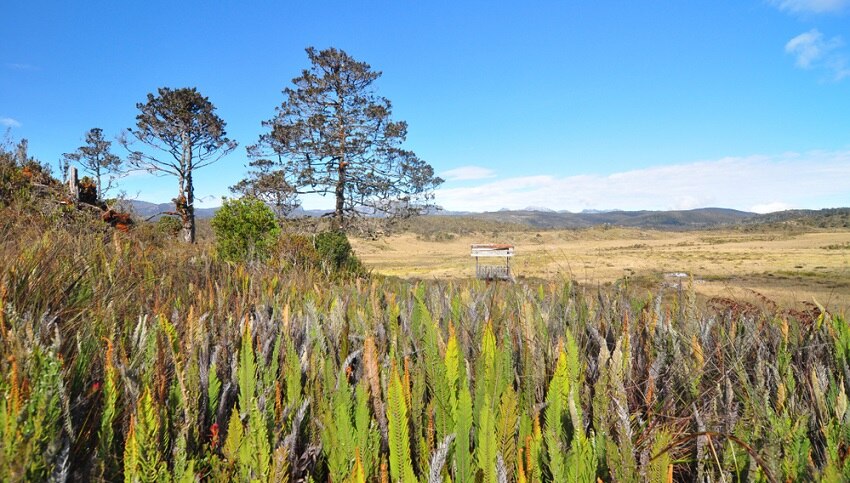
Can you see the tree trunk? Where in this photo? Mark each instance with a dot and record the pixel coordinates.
(187, 192)
(187, 213)
(340, 196)
(340, 182)
(99, 189)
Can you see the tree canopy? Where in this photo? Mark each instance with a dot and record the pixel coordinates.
(333, 135)
(97, 160)
(183, 127)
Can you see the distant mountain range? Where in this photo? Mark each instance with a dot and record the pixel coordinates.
(685, 219)
(145, 210)
(546, 218)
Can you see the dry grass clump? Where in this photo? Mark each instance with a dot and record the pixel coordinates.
(127, 355)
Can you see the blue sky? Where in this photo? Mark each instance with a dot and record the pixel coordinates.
(567, 105)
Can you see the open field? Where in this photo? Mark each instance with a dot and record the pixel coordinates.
(786, 267)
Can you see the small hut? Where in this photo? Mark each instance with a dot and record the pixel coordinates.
(490, 271)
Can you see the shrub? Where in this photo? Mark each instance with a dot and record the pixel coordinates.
(297, 251)
(169, 226)
(335, 252)
(245, 229)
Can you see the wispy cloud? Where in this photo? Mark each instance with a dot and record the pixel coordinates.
(466, 173)
(9, 122)
(810, 6)
(811, 50)
(20, 67)
(758, 183)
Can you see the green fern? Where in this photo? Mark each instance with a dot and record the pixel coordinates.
(463, 425)
(367, 436)
(401, 466)
(659, 466)
(213, 392)
(453, 371)
(338, 433)
(106, 435)
(184, 468)
(487, 447)
(233, 442)
(292, 375)
(143, 458)
(486, 378)
(506, 427)
(556, 409)
(255, 451)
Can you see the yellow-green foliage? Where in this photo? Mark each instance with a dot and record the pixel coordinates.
(30, 415)
(144, 460)
(401, 466)
(463, 454)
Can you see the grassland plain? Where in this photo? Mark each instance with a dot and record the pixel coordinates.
(786, 266)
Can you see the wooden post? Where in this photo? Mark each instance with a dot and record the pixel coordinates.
(73, 183)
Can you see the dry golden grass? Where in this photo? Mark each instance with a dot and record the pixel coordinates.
(786, 267)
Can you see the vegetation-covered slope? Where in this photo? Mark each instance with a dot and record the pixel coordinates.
(128, 356)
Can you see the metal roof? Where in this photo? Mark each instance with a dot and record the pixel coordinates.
(491, 250)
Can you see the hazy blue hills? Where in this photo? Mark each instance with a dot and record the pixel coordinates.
(543, 218)
(684, 219)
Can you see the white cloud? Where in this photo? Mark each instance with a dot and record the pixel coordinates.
(466, 173)
(9, 122)
(770, 207)
(810, 6)
(807, 48)
(801, 180)
(812, 50)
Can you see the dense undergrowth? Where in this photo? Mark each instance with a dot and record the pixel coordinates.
(123, 358)
(130, 356)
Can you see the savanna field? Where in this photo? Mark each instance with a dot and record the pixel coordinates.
(132, 356)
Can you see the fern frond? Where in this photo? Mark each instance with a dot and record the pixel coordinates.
(367, 436)
(109, 412)
(358, 474)
(143, 451)
(506, 427)
(401, 466)
(131, 453)
(234, 437)
(463, 455)
(255, 451)
(553, 430)
(486, 449)
(213, 392)
(659, 466)
(292, 375)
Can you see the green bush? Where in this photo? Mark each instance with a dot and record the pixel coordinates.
(245, 229)
(335, 252)
(169, 226)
